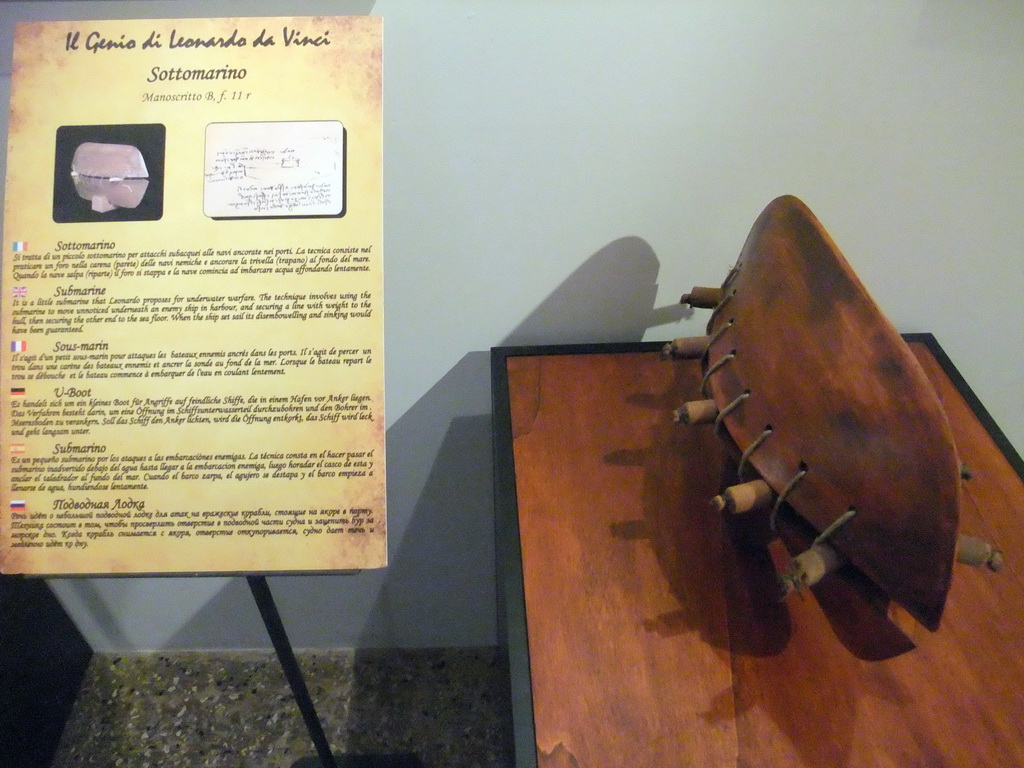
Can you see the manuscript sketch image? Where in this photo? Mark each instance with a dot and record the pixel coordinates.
(272, 169)
(109, 173)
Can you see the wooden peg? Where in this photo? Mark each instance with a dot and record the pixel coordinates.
(702, 298)
(745, 497)
(686, 348)
(978, 553)
(810, 567)
(696, 412)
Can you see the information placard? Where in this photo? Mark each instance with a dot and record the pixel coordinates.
(192, 297)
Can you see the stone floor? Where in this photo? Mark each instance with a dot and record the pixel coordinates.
(410, 708)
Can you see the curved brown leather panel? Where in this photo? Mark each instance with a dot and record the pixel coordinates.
(845, 398)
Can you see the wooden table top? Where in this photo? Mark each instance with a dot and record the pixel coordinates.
(637, 638)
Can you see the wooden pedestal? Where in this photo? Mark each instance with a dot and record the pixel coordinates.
(638, 638)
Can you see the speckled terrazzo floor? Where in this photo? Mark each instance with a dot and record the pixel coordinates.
(436, 708)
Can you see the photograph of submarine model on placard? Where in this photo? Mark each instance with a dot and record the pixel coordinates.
(839, 445)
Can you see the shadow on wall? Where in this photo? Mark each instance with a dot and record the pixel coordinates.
(609, 298)
(440, 585)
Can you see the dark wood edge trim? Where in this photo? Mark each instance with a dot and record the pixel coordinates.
(511, 597)
(608, 348)
(982, 414)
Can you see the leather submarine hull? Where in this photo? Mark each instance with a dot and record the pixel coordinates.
(818, 397)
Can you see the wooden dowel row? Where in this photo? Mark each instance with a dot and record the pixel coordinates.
(696, 412)
(978, 553)
(686, 348)
(745, 497)
(702, 298)
(810, 567)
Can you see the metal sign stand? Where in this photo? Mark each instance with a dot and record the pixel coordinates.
(275, 628)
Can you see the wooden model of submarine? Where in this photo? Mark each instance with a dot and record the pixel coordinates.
(840, 445)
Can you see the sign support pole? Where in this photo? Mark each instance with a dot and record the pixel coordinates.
(275, 628)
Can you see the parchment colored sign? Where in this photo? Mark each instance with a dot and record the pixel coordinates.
(192, 371)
